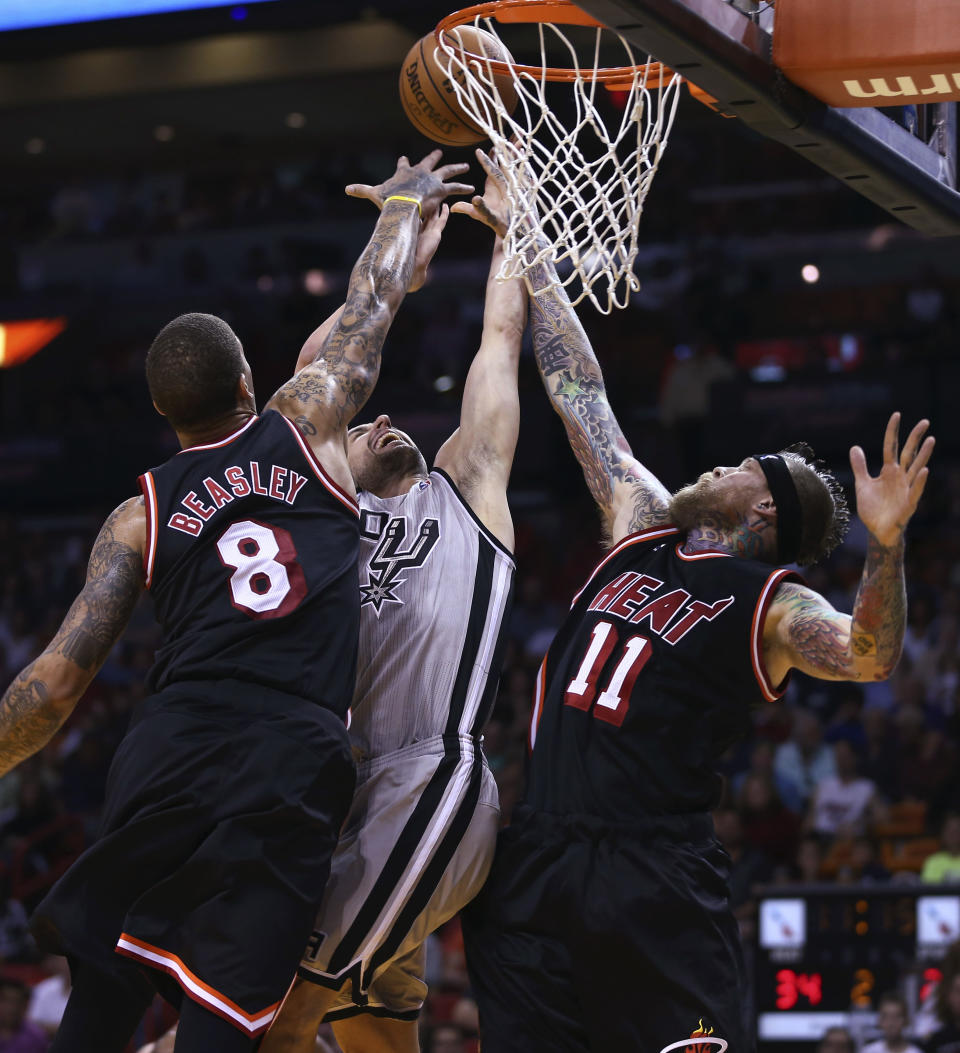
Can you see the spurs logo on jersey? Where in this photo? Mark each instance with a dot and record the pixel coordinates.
(391, 559)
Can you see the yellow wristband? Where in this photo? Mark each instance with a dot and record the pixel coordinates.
(401, 197)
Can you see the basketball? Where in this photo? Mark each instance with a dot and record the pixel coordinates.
(429, 99)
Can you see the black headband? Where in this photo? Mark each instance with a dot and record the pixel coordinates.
(783, 490)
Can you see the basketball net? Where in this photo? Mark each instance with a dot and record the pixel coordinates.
(581, 183)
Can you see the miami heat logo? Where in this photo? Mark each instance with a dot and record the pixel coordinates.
(391, 559)
(702, 1040)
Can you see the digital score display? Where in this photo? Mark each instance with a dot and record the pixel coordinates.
(30, 14)
(825, 951)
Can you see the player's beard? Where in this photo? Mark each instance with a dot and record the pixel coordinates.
(696, 504)
(393, 464)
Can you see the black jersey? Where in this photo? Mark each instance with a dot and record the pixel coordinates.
(651, 677)
(251, 560)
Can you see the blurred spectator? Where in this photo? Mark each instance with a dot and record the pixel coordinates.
(933, 1007)
(17, 1034)
(892, 1021)
(445, 1039)
(18, 639)
(846, 723)
(944, 866)
(84, 776)
(15, 940)
(879, 761)
(767, 825)
(690, 376)
(845, 803)
(48, 999)
(864, 863)
(761, 763)
(928, 767)
(801, 763)
(749, 866)
(917, 639)
(836, 1040)
(807, 865)
(466, 1017)
(36, 806)
(946, 1039)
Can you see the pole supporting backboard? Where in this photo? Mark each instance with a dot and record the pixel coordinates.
(726, 53)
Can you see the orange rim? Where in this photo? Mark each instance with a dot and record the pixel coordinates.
(559, 12)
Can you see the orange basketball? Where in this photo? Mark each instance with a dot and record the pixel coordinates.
(428, 97)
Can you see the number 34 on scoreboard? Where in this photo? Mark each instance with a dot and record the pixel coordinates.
(793, 986)
(805, 990)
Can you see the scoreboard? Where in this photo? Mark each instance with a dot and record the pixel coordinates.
(826, 951)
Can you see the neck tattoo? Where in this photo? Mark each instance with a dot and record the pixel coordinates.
(744, 539)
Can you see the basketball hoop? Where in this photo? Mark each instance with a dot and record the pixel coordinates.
(584, 182)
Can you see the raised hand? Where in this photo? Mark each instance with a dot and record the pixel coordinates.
(423, 181)
(427, 244)
(492, 208)
(886, 502)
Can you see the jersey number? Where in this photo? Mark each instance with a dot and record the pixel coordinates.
(267, 580)
(614, 700)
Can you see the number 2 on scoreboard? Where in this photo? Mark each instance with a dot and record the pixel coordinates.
(614, 700)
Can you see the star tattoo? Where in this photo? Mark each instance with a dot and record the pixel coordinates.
(569, 386)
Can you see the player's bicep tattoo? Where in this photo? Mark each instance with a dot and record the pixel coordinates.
(27, 722)
(343, 373)
(100, 613)
(818, 637)
(648, 508)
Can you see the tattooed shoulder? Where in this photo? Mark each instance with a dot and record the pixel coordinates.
(817, 635)
(114, 583)
(648, 509)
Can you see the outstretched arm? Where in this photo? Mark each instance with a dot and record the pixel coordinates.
(41, 698)
(325, 395)
(805, 632)
(630, 497)
(479, 454)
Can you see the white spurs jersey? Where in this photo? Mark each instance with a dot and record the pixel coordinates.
(435, 593)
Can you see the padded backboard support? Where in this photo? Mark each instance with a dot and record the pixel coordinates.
(728, 54)
(870, 52)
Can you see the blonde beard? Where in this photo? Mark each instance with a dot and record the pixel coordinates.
(696, 504)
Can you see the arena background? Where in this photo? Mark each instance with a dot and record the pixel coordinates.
(196, 161)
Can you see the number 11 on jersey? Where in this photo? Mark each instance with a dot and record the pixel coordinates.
(614, 700)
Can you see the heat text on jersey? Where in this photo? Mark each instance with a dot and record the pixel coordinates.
(638, 597)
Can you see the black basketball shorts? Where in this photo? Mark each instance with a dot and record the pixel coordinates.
(224, 803)
(588, 937)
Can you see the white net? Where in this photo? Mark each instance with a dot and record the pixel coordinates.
(585, 174)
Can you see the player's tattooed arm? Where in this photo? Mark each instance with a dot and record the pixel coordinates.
(804, 631)
(331, 389)
(630, 497)
(43, 695)
(812, 636)
(427, 244)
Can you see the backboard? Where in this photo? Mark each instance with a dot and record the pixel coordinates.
(725, 48)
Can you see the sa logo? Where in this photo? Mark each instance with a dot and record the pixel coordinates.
(390, 560)
(702, 1040)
